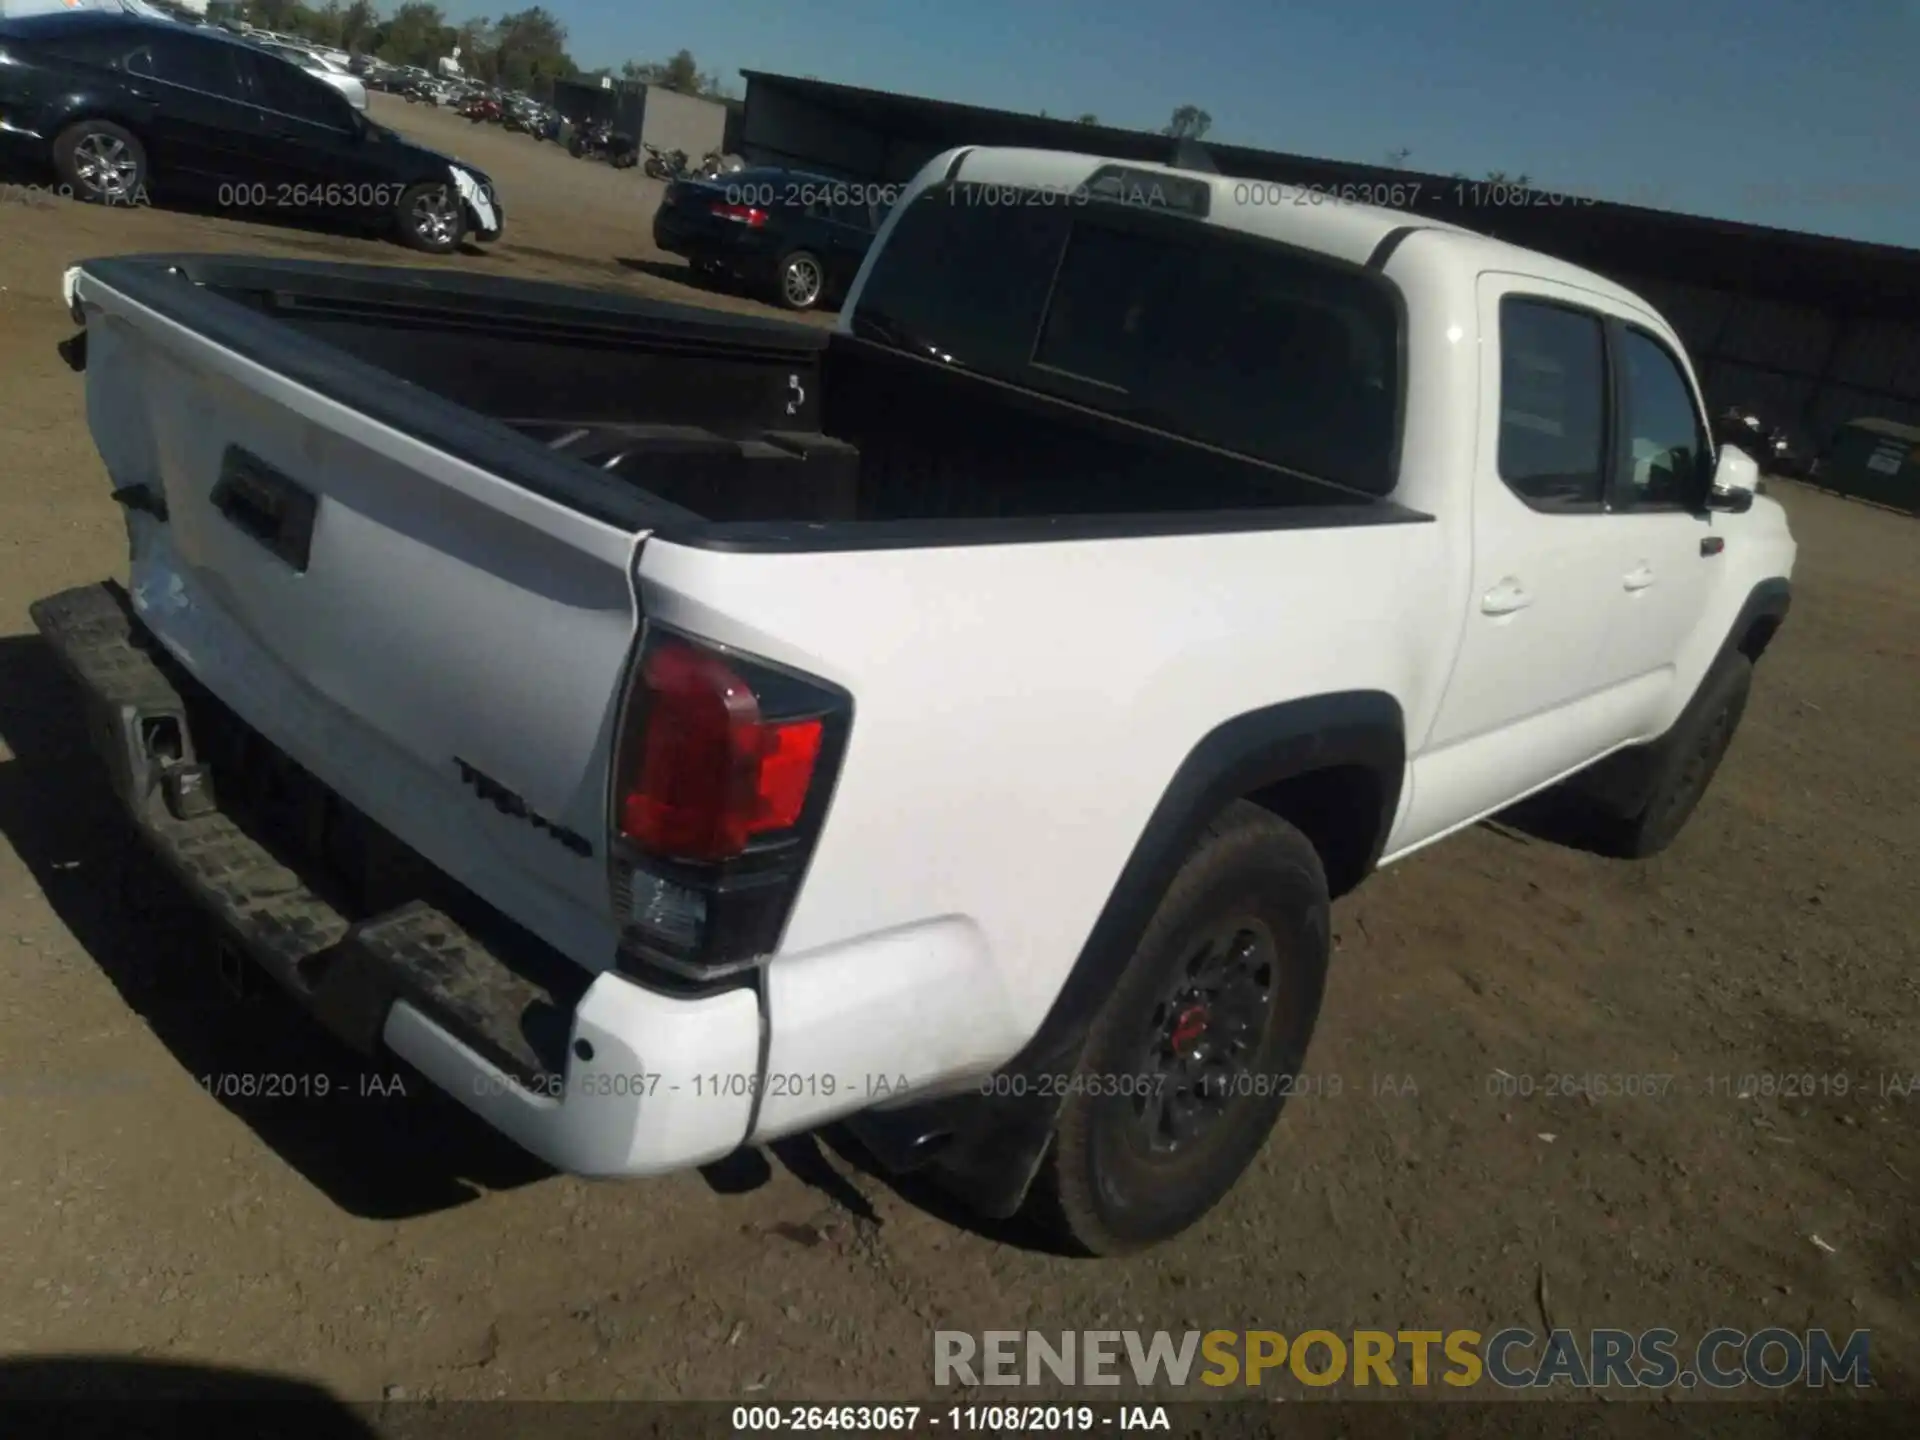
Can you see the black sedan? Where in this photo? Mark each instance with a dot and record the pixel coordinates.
(124, 108)
(795, 237)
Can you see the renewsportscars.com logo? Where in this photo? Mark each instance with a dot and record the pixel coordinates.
(1512, 1359)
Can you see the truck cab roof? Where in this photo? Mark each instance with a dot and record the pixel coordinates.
(1313, 219)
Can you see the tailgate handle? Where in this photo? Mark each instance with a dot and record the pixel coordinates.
(266, 506)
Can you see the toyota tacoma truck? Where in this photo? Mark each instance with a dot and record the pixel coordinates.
(667, 731)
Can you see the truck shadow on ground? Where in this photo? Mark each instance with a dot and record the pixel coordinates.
(380, 1143)
(1557, 818)
(111, 1395)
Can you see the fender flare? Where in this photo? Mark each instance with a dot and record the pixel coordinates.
(989, 1145)
(1364, 729)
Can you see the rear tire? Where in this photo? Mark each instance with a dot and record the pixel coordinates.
(431, 217)
(1691, 755)
(101, 163)
(800, 282)
(1211, 1019)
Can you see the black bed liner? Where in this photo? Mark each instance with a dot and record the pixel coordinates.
(715, 430)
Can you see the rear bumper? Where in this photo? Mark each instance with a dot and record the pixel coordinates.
(617, 1080)
(727, 248)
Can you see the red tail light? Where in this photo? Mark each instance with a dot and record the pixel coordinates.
(752, 216)
(721, 780)
(711, 773)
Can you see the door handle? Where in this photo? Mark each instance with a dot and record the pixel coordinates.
(1505, 598)
(1638, 578)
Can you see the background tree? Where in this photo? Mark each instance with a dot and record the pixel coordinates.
(531, 49)
(323, 23)
(359, 24)
(479, 42)
(1089, 118)
(418, 34)
(276, 14)
(681, 74)
(1189, 122)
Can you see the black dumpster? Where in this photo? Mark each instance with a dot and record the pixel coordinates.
(1877, 460)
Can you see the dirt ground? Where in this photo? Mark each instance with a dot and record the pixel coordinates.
(385, 1244)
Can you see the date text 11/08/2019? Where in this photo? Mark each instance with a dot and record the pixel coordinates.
(961, 1419)
(704, 1085)
(1405, 194)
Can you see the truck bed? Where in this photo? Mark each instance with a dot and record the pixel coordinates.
(413, 570)
(710, 427)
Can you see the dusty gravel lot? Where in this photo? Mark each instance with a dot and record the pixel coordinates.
(370, 1241)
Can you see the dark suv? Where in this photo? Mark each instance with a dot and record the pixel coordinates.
(119, 106)
(795, 237)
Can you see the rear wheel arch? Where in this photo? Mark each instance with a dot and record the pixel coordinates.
(1302, 760)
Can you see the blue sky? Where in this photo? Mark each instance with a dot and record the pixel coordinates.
(1795, 113)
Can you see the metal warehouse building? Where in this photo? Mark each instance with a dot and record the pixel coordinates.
(1816, 331)
(652, 114)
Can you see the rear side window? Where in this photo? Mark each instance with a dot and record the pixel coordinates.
(1243, 345)
(1552, 403)
(284, 87)
(191, 64)
(854, 212)
(967, 276)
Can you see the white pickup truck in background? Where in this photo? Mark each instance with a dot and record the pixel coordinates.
(668, 731)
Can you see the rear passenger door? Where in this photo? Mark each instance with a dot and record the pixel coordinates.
(1530, 698)
(201, 131)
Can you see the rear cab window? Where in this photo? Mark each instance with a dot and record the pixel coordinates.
(1553, 404)
(1231, 340)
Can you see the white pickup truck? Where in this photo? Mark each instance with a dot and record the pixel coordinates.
(667, 731)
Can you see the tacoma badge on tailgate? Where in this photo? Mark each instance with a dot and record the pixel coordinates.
(508, 803)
